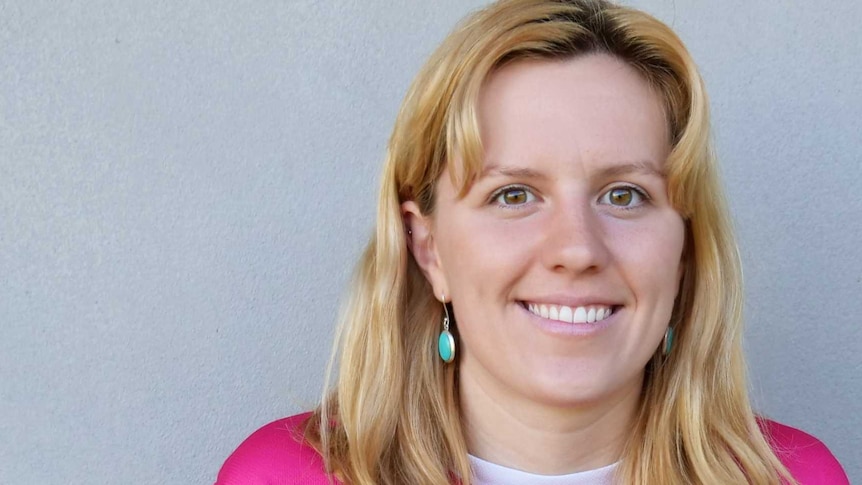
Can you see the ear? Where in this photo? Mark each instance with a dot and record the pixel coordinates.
(685, 258)
(420, 241)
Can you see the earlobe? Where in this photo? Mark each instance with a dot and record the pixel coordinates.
(420, 241)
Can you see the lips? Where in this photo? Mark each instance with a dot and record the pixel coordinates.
(568, 314)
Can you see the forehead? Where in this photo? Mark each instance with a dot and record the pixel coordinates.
(588, 108)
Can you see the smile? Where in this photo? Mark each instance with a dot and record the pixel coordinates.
(562, 313)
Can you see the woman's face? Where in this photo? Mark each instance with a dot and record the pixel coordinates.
(563, 260)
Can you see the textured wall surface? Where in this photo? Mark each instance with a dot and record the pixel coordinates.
(184, 187)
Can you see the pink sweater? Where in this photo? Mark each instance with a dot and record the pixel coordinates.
(276, 455)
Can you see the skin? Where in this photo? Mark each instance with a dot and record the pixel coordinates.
(562, 136)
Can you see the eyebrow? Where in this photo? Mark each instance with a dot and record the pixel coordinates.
(517, 172)
(640, 166)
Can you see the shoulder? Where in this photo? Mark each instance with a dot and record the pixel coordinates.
(275, 454)
(806, 458)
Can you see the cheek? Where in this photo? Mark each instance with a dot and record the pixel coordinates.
(484, 253)
(649, 252)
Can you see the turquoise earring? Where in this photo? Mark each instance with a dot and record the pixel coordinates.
(668, 341)
(446, 342)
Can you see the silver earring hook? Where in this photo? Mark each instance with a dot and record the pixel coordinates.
(446, 309)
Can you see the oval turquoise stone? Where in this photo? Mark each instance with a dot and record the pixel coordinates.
(444, 347)
(669, 342)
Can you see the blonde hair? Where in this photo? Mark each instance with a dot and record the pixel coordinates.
(392, 417)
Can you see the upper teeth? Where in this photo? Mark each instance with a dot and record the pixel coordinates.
(562, 313)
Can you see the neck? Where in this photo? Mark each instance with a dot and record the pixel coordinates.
(546, 439)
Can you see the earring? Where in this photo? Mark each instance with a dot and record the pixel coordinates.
(668, 341)
(446, 342)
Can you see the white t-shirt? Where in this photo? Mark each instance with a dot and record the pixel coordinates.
(487, 473)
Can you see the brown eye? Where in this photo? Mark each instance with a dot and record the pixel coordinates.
(513, 196)
(622, 196)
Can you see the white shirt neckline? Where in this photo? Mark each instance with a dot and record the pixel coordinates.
(487, 473)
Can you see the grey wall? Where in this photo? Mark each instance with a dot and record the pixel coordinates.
(185, 185)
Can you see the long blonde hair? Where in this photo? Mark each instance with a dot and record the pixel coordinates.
(393, 416)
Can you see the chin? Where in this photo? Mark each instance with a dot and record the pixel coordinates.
(583, 385)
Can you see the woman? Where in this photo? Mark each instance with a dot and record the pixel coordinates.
(552, 294)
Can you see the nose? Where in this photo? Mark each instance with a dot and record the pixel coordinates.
(575, 240)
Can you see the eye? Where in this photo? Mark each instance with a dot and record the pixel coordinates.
(624, 197)
(513, 196)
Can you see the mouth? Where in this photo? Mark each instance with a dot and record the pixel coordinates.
(567, 314)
